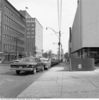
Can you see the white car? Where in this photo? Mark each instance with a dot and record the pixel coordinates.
(46, 62)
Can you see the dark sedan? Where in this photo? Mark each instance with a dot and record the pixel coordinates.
(28, 64)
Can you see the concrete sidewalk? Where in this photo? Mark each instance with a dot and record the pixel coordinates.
(58, 83)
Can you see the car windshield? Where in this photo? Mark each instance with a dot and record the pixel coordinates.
(28, 60)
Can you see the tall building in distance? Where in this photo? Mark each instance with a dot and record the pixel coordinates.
(34, 35)
(12, 31)
(84, 34)
(30, 40)
(38, 37)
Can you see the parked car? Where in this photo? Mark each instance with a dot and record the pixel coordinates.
(54, 62)
(46, 62)
(28, 64)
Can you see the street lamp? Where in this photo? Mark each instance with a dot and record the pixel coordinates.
(59, 43)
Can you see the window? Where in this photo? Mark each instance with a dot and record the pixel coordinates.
(28, 32)
(5, 8)
(32, 37)
(4, 27)
(28, 36)
(33, 25)
(7, 28)
(4, 46)
(33, 29)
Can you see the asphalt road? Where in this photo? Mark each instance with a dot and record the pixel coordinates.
(11, 84)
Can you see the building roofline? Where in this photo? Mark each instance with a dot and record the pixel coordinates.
(14, 8)
(37, 21)
(25, 12)
(32, 17)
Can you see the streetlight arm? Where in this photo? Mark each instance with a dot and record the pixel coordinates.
(51, 29)
(59, 43)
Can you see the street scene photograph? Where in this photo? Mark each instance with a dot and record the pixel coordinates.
(49, 49)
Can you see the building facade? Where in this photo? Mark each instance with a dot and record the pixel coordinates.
(34, 35)
(84, 34)
(12, 31)
(38, 37)
(30, 40)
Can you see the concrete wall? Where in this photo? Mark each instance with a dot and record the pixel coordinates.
(90, 23)
(79, 64)
(76, 40)
(85, 29)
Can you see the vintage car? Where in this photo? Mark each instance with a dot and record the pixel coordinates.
(54, 62)
(46, 62)
(28, 64)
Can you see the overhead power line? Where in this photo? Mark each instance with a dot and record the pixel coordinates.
(59, 12)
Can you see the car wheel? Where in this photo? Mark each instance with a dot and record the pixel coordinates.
(34, 71)
(18, 72)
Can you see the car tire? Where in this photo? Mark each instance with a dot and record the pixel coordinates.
(17, 72)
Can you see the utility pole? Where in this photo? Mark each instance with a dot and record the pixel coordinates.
(59, 44)
(59, 12)
(70, 48)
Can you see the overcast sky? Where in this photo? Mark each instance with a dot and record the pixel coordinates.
(46, 13)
